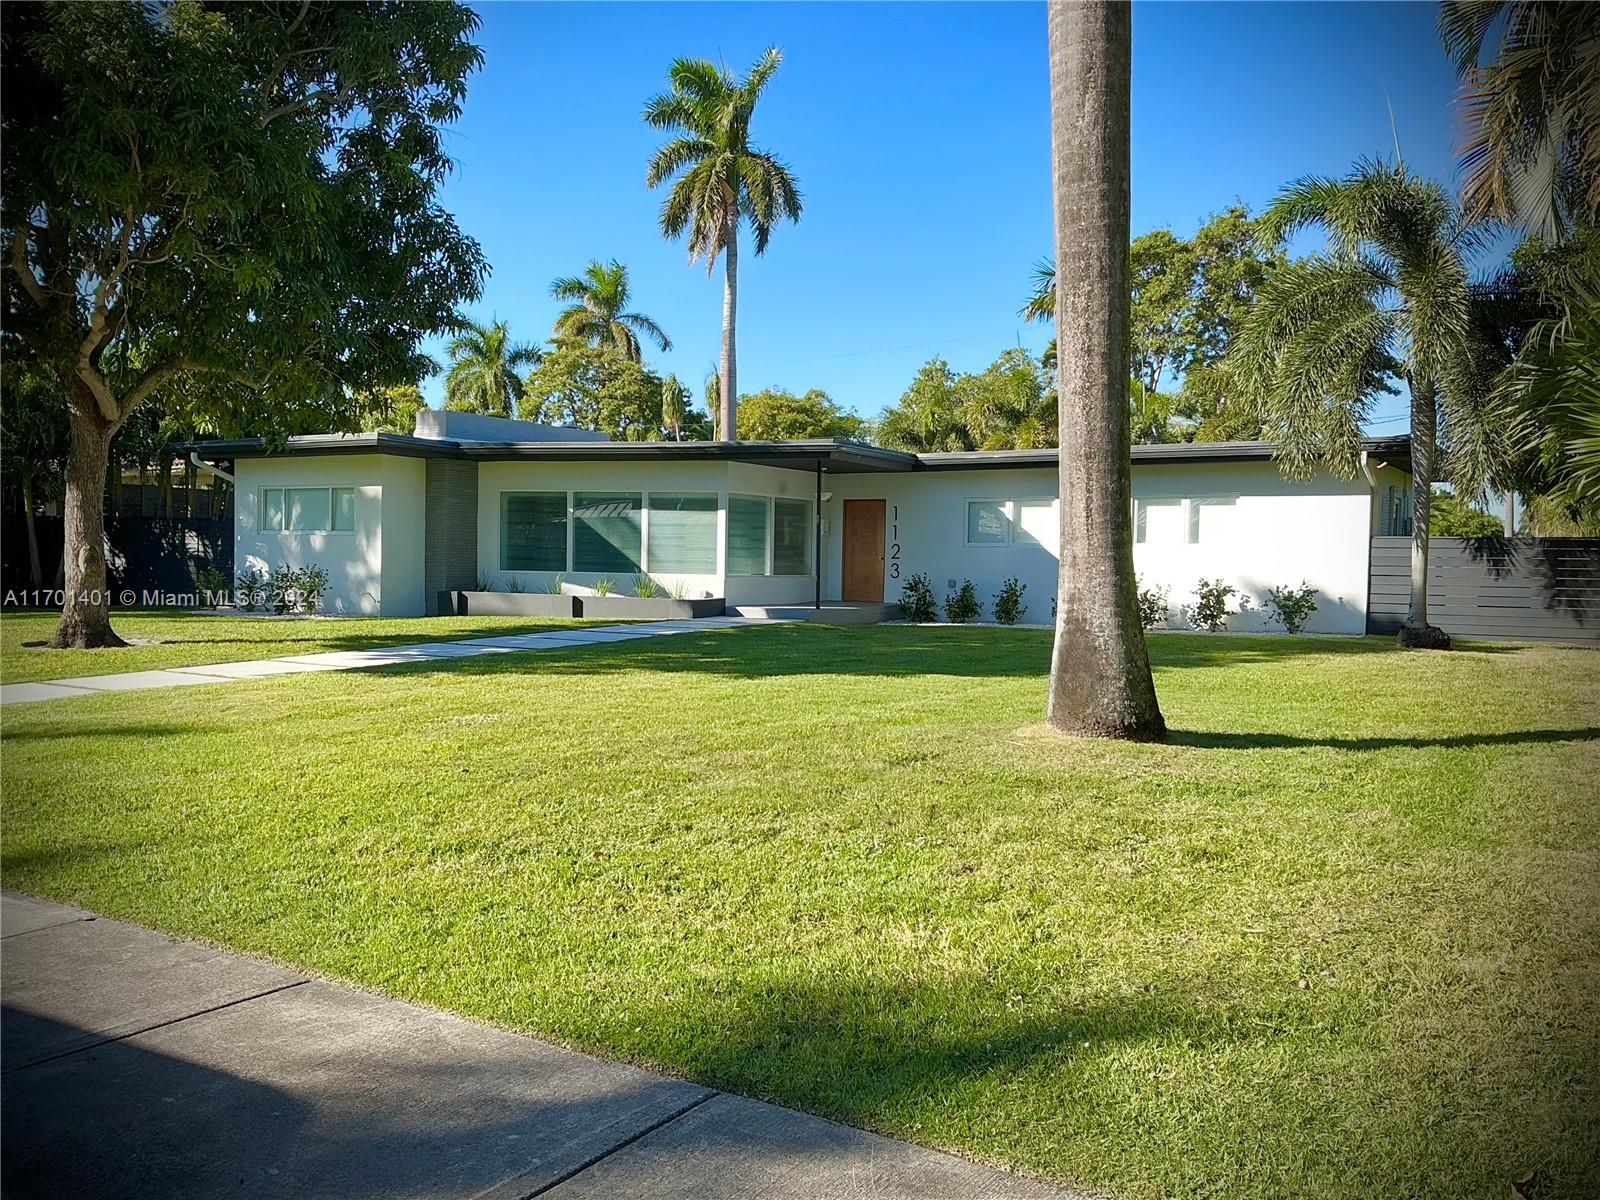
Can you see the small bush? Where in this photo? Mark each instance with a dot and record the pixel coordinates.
(514, 585)
(604, 587)
(645, 588)
(1008, 606)
(1153, 607)
(916, 600)
(554, 585)
(252, 586)
(679, 590)
(961, 605)
(1292, 607)
(1210, 611)
(212, 585)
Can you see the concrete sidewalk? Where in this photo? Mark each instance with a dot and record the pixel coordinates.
(351, 660)
(138, 1065)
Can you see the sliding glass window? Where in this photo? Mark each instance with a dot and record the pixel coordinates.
(533, 531)
(683, 533)
(792, 535)
(748, 520)
(606, 531)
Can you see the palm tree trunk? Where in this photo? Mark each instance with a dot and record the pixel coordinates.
(85, 613)
(726, 430)
(1416, 633)
(1100, 684)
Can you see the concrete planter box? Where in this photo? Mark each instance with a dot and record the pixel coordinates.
(515, 604)
(653, 608)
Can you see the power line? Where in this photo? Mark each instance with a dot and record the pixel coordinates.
(975, 337)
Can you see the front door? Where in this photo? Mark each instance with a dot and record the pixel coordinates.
(863, 551)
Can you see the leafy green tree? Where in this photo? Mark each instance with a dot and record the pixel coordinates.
(928, 417)
(599, 310)
(594, 387)
(1185, 296)
(1010, 405)
(777, 415)
(1391, 297)
(1451, 516)
(1100, 682)
(483, 375)
(719, 179)
(246, 193)
(1532, 148)
(713, 394)
(674, 406)
(390, 409)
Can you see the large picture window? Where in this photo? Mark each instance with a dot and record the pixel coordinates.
(307, 510)
(748, 520)
(533, 531)
(683, 533)
(606, 531)
(792, 535)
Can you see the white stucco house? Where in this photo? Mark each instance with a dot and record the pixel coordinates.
(400, 521)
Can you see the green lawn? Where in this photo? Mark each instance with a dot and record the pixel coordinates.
(193, 640)
(1337, 938)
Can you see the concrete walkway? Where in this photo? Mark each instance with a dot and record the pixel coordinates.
(138, 1065)
(350, 660)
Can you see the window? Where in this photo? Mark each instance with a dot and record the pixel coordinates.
(533, 531)
(1012, 523)
(747, 534)
(683, 533)
(1217, 507)
(307, 510)
(606, 531)
(792, 535)
(987, 523)
(1396, 520)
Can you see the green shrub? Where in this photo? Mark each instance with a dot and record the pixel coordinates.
(514, 585)
(916, 600)
(212, 585)
(604, 587)
(253, 587)
(961, 605)
(645, 588)
(1153, 607)
(1008, 606)
(1210, 610)
(554, 584)
(1292, 607)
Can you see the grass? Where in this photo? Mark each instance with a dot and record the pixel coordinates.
(167, 639)
(1337, 937)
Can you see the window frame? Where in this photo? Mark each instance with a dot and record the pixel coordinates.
(1011, 506)
(807, 542)
(766, 557)
(283, 490)
(647, 548)
(566, 507)
(640, 497)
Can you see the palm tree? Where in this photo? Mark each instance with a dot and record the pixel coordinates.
(1532, 150)
(598, 314)
(674, 397)
(483, 369)
(713, 392)
(1390, 297)
(1100, 682)
(1041, 305)
(719, 179)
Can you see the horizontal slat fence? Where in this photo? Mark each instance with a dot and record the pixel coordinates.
(1515, 589)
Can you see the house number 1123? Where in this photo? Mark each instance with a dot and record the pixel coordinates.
(894, 541)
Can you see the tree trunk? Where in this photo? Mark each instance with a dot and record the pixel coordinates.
(726, 429)
(1100, 684)
(85, 613)
(1416, 633)
(35, 569)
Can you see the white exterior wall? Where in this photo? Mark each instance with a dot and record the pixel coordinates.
(361, 580)
(1270, 532)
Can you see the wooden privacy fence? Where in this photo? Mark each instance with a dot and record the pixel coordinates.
(1515, 589)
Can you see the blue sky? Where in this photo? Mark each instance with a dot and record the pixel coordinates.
(920, 137)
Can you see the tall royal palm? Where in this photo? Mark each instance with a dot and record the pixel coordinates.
(483, 374)
(1100, 682)
(598, 313)
(1390, 297)
(718, 179)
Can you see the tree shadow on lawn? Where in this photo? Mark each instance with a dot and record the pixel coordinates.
(1280, 741)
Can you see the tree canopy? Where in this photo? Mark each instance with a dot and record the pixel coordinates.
(775, 414)
(1010, 405)
(594, 387)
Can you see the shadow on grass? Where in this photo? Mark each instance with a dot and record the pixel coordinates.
(1280, 741)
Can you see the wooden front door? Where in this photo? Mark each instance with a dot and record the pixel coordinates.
(863, 551)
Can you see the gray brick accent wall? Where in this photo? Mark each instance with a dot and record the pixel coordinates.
(450, 534)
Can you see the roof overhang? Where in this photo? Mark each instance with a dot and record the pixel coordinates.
(824, 454)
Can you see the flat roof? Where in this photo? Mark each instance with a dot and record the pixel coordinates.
(833, 455)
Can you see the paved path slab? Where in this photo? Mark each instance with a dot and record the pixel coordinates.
(137, 1066)
(352, 660)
